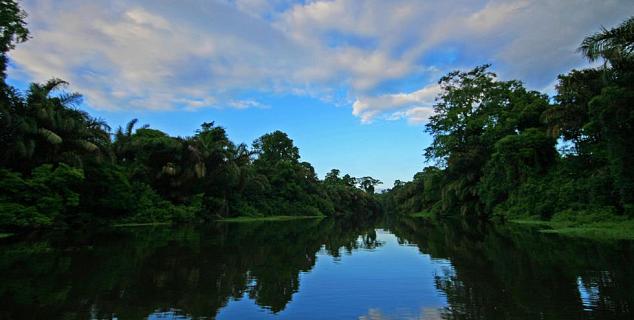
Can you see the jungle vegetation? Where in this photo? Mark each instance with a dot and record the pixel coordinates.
(502, 151)
(499, 150)
(60, 167)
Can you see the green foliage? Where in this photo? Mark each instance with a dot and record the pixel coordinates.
(368, 184)
(478, 124)
(59, 166)
(48, 196)
(150, 207)
(616, 46)
(516, 159)
(495, 142)
(349, 200)
(12, 30)
(423, 193)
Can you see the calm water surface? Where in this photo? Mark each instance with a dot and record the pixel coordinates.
(317, 269)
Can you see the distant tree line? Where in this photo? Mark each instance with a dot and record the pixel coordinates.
(504, 151)
(59, 166)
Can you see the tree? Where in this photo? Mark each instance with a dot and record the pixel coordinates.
(50, 195)
(615, 45)
(595, 112)
(13, 30)
(332, 177)
(274, 147)
(515, 159)
(60, 165)
(612, 110)
(122, 145)
(472, 113)
(46, 128)
(570, 117)
(368, 184)
(349, 180)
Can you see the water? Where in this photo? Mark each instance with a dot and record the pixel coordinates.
(317, 269)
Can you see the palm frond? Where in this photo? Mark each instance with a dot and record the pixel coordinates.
(130, 126)
(200, 169)
(613, 44)
(52, 85)
(88, 146)
(70, 99)
(50, 136)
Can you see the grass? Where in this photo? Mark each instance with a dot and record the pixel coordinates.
(5, 235)
(618, 230)
(140, 224)
(268, 218)
(422, 214)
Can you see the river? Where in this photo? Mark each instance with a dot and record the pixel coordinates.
(316, 269)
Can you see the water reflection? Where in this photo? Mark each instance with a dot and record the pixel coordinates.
(510, 272)
(424, 314)
(317, 269)
(166, 272)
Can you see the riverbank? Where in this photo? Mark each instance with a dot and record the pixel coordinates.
(618, 230)
(140, 224)
(268, 218)
(234, 219)
(599, 230)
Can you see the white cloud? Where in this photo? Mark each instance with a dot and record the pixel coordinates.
(243, 104)
(415, 115)
(124, 56)
(415, 106)
(158, 54)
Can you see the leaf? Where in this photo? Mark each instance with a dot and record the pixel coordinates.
(50, 136)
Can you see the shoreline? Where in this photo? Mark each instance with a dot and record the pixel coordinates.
(267, 218)
(621, 230)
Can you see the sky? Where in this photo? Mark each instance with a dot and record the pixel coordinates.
(352, 82)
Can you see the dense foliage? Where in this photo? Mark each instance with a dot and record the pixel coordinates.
(60, 166)
(502, 150)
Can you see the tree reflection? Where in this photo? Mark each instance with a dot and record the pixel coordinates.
(509, 273)
(192, 272)
(494, 272)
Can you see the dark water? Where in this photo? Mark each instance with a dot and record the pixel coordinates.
(310, 269)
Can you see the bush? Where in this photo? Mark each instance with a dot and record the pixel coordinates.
(588, 216)
(150, 207)
(49, 196)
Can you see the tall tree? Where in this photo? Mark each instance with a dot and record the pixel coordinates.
(473, 112)
(610, 112)
(615, 45)
(368, 184)
(13, 30)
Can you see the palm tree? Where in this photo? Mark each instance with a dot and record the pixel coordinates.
(615, 45)
(58, 132)
(122, 146)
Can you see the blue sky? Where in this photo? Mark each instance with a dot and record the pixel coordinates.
(351, 82)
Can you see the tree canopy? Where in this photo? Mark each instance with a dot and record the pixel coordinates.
(498, 148)
(495, 143)
(59, 166)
